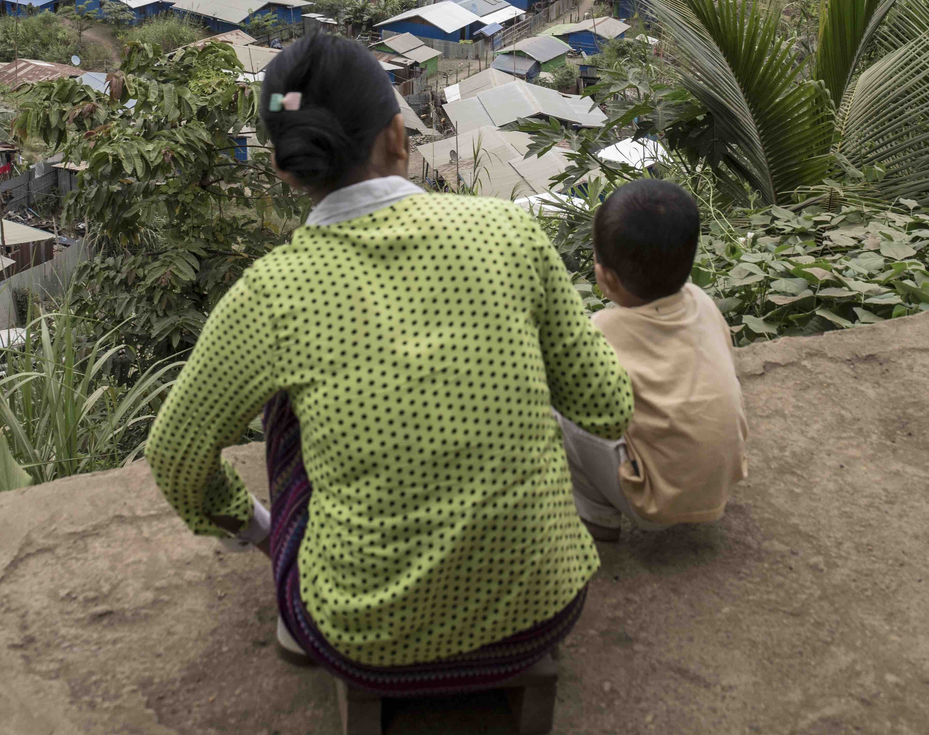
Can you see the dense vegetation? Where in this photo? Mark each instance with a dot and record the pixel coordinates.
(45, 37)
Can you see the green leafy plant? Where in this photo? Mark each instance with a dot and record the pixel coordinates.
(564, 79)
(63, 408)
(262, 24)
(806, 272)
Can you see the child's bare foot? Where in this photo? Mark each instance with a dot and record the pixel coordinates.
(602, 533)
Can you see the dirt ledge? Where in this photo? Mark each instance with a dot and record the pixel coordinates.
(803, 611)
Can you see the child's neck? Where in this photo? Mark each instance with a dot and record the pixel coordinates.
(630, 301)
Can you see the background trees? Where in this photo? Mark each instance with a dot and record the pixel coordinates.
(174, 216)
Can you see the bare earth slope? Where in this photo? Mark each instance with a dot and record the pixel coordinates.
(804, 611)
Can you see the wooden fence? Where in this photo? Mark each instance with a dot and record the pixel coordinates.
(26, 189)
(542, 16)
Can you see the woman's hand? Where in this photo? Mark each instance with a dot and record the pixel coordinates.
(234, 525)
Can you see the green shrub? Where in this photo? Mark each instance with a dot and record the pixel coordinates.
(564, 79)
(42, 37)
(168, 30)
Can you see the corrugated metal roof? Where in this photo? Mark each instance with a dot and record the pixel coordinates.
(492, 143)
(422, 54)
(503, 15)
(477, 83)
(540, 48)
(489, 30)
(137, 3)
(447, 16)
(514, 64)
(389, 67)
(483, 7)
(401, 43)
(255, 58)
(539, 171)
(238, 38)
(603, 27)
(4, 264)
(505, 104)
(231, 11)
(558, 30)
(392, 58)
(27, 71)
(468, 114)
(636, 153)
(17, 234)
(509, 103)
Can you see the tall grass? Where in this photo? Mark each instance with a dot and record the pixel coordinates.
(168, 30)
(64, 410)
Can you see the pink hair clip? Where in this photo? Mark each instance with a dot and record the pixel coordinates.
(292, 101)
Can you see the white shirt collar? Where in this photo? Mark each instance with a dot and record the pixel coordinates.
(358, 200)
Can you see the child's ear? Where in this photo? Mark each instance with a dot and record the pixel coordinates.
(607, 278)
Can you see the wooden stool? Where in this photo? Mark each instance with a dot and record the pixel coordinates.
(531, 696)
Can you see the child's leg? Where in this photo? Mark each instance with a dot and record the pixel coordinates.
(594, 465)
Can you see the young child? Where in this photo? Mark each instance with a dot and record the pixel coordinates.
(685, 447)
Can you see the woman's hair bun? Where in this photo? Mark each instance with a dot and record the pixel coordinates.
(312, 145)
(347, 100)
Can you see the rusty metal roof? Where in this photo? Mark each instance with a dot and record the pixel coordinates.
(27, 71)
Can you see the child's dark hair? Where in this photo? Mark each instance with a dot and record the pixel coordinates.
(347, 101)
(646, 232)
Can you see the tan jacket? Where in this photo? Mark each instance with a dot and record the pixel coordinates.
(688, 432)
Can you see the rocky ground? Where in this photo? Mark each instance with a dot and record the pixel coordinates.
(803, 612)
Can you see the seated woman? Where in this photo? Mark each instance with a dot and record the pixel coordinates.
(410, 348)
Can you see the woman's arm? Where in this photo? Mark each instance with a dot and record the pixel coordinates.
(224, 385)
(586, 381)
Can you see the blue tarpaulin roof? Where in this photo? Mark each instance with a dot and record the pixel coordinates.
(489, 30)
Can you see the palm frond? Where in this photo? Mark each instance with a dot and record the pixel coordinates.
(886, 121)
(779, 126)
(845, 30)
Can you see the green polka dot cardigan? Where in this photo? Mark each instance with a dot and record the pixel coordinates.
(422, 347)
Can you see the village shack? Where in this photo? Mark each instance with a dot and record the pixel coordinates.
(409, 52)
(23, 247)
(551, 53)
(229, 15)
(445, 21)
(592, 34)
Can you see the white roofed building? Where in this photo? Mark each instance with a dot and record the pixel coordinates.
(444, 21)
